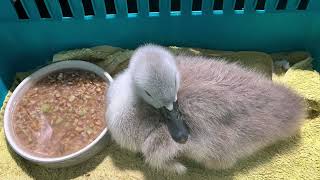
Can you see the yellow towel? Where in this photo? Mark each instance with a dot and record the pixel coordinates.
(114, 59)
(296, 158)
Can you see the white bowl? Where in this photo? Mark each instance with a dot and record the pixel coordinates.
(68, 160)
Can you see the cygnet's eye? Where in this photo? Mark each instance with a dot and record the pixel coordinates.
(147, 93)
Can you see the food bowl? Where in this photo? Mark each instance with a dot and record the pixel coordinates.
(67, 160)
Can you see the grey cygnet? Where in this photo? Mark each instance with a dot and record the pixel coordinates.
(230, 112)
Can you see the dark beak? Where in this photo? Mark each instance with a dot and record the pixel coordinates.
(178, 129)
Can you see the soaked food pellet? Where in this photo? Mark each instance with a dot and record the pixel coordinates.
(61, 113)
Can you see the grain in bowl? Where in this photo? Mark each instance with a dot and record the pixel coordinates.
(57, 117)
(61, 114)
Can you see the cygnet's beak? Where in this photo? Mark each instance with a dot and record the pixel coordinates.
(170, 107)
(177, 127)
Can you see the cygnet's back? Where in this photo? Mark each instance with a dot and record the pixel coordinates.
(233, 111)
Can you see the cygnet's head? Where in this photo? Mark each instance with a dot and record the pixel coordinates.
(155, 75)
(156, 80)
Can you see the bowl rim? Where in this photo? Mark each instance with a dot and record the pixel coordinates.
(35, 76)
